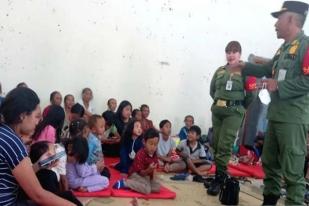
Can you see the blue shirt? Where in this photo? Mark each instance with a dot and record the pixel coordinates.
(95, 149)
(183, 134)
(12, 152)
(125, 150)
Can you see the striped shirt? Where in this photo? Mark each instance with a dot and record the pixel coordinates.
(12, 152)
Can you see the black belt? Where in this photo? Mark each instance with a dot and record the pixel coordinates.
(228, 103)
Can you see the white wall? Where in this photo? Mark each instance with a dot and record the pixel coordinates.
(159, 52)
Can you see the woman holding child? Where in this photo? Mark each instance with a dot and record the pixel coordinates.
(21, 113)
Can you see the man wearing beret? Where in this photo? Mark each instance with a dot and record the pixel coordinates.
(288, 113)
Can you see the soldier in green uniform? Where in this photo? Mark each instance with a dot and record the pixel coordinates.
(288, 113)
(227, 91)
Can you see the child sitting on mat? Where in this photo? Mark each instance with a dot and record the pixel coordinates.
(192, 153)
(166, 143)
(82, 176)
(141, 175)
(46, 176)
(80, 128)
(131, 143)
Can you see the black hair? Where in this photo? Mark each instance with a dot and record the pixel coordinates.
(163, 122)
(67, 96)
(122, 105)
(18, 101)
(78, 109)
(54, 117)
(110, 99)
(196, 129)
(86, 89)
(80, 149)
(21, 84)
(128, 132)
(0, 88)
(144, 106)
(134, 112)
(189, 116)
(37, 150)
(52, 95)
(233, 46)
(76, 127)
(151, 133)
(109, 117)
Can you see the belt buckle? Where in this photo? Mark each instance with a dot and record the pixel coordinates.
(221, 103)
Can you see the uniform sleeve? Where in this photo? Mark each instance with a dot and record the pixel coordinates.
(212, 85)
(298, 86)
(258, 70)
(12, 151)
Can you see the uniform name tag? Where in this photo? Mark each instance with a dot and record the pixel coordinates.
(281, 75)
(229, 85)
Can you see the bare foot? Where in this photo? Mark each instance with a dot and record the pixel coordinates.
(82, 189)
(166, 168)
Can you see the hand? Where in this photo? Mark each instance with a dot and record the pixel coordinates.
(36, 166)
(100, 166)
(152, 166)
(271, 84)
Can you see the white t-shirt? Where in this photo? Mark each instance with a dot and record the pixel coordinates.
(165, 146)
(90, 107)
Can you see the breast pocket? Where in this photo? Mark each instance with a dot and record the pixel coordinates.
(220, 81)
(238, 83)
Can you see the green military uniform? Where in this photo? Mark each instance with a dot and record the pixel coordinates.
(227, 113)
(288, 113)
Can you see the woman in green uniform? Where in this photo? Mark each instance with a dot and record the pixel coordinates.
(227, 91)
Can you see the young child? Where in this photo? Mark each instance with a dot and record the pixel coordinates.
(189, 121)
(111, 138)
(77, 112)
(192, 153)
(55, 99)
(80, 128)
(96, 125)
(146, 123)
(112, 104)
(82, 176)
(131, 143)
(141, 175)
(166, 143)
(46, 176)
(50, 127)
(137, 114)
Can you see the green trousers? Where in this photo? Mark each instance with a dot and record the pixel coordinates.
(226, 121)
(284, 157)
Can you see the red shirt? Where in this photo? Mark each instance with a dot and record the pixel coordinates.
(142, 161)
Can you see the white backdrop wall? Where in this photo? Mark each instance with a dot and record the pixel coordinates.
(159, 52)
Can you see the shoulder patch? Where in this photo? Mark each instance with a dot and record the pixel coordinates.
(306, 63)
